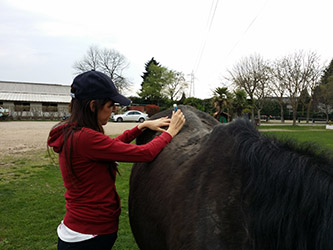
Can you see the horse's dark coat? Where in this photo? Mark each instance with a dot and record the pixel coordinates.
(228, 187)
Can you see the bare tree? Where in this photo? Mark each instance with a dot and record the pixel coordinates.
(108, 61)
(89, 62)
(293, 71)
(298, 71)
(277, 84)
(313, 73)
(251, 74)
(262, 90)
(113, 64)
(175, 85)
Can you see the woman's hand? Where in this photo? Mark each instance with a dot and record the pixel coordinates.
(155, 125)
(176, 123)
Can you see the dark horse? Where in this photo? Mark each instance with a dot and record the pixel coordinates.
(229, 187)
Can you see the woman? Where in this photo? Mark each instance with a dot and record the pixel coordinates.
(87, 159)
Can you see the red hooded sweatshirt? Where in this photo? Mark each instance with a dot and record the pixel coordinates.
(92, 202)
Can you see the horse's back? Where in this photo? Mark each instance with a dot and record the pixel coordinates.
(174, 200)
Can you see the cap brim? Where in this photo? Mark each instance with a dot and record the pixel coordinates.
(122, 100)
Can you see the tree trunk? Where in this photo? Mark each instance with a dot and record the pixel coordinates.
(252, 116)
(259, 120)
(303, 109)
(282, 112)
(294, 115)
(308, 110)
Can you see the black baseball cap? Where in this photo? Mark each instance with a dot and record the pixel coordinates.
(92, 85)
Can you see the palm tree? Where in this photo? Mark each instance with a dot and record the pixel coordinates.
(239, 102)
(222, 101)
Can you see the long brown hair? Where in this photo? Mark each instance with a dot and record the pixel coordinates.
(82, 116)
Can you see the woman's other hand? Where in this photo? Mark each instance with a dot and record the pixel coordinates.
(155, 125)
(176, 123)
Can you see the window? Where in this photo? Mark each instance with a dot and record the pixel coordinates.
(49, 107)
(134, 113)
(21, 106)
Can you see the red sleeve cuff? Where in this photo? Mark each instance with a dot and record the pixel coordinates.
(166, 136)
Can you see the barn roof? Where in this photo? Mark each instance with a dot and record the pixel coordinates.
(34, 92)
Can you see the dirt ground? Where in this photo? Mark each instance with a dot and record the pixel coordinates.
(21, 136)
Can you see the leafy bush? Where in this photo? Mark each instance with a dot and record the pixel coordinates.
(152, 109)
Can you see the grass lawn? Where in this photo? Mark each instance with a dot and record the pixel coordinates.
(32, 203)
(316, 134)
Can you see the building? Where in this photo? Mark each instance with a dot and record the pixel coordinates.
(34, 100)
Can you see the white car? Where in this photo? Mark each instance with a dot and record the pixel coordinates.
(130, 116)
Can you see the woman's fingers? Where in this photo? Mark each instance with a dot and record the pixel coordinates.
(157, 124)
(177, 122)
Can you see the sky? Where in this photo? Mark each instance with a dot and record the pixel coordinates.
(40, 40)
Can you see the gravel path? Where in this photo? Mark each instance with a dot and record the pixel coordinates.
(21, 136)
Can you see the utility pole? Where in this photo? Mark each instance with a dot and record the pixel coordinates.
(192, 88)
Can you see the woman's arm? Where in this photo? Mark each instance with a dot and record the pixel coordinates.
(104, 148)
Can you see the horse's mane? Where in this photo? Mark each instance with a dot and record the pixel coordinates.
(287, 192)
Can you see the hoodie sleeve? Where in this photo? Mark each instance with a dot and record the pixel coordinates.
(98, 147)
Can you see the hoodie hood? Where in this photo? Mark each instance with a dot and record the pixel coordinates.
(56, 137)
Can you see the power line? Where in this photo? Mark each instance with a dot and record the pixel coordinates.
(247, 29)
(208, 28)
(209, 25)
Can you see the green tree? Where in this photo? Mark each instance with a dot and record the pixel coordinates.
(153, 84)
(160, 85)
(239, 103)
(328, 72)
(147, 72)
(204, 105)
(272, 107)
(222, 101)
(322, 94)
(195, 102)
(325, 96)
(304, 100)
